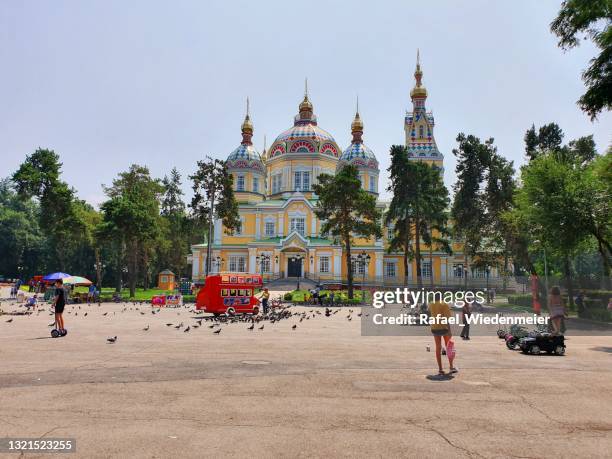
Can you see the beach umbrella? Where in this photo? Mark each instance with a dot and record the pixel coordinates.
(76, 280)
(55, 276)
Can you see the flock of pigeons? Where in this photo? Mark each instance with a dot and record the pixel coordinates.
(214, 323)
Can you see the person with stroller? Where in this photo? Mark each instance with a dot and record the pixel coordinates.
(556, 310)
(440, 310)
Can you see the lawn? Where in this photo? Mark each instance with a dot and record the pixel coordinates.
(301, 295)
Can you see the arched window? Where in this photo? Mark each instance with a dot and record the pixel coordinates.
(302, 150)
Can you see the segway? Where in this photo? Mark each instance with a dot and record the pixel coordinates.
(57, 333)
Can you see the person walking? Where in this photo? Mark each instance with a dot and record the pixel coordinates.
(59, 302)
(265, 298)
(466, 312)
(556, 309)
(439, 311)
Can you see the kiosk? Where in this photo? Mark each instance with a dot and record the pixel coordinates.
(229, 293)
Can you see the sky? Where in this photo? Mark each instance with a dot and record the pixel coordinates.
(107, 84)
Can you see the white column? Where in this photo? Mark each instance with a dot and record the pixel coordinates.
(409, 270)
(379, 265)
(252, 262)
(257, 227)
(313, 226)
(195, 265)
(443, 268)
(337, 263)
(281, 224)
(217, 231)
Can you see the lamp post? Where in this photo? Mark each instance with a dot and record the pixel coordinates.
(218, 263)
(261, 261)
(487, 271)
(300, 260)
(98, 267)
(362, 260)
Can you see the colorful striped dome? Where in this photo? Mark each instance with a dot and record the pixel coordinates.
(359, 155)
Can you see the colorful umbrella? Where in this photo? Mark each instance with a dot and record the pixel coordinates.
(55, 276)
(76, 280)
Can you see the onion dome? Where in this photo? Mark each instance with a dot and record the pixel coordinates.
(357, 153)
(305, 136)
(246, 156)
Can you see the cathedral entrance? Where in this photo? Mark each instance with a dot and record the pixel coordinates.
(294, 267)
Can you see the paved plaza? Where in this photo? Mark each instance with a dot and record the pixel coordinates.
(319, 389)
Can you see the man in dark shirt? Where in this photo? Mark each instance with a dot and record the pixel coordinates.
(59, 302)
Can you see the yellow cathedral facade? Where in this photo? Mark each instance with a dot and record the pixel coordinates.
(279, 234)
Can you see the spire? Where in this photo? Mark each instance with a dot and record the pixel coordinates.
(357, 125)
(419, 90)
(306, 105)
(247, 126)
(263, 152)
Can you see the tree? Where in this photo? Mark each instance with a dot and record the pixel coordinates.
(499, 200)
(468, 209)
(593, 18)
(549, 201)
(59, 218)
(21, 241)
(131, 217)
(548, 138)
(175, 223)
(346, 209)
(214, 198)
(418, 207)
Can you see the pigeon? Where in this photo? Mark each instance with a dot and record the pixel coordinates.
(262, 326)
(294, 327)
(9, 321)
(212, 326)
(146, 328)
(216, 332)
(167, 325)
(111, 340)
(105, 313)
(251, 327)
(187, 329)
(195, 326)
(51, 324)
(85, 314)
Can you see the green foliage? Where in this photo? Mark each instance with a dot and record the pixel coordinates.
(521, 300)
(418, 207)
(21, 241)
(61, 218)
(593, 19)
(346, 209)
(131, 218)
(214, 198)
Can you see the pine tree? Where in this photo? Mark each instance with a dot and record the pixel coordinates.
(346, 210)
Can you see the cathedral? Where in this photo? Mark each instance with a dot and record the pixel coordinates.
(279, 235)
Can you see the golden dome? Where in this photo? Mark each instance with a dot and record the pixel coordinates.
(418, 91)
(306, 104)
(357, 124)
(247, 125)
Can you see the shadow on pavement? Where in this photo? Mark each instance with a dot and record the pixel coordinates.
(437, 377)
(602, 349)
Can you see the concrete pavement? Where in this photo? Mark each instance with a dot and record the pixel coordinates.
(320, 390)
